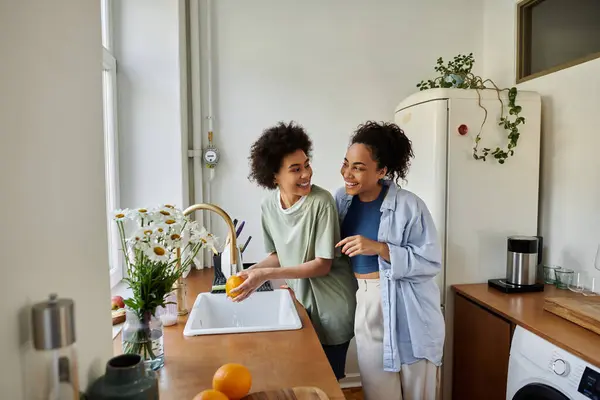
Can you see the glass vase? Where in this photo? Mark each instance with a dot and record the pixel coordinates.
(142, 334)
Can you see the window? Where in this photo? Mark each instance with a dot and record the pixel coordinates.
(556, 34)
(111, 143)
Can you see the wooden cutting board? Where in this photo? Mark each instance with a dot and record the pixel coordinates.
(297, 393)
(583, 311)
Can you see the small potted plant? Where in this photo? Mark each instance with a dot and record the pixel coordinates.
(457, 74)
(454, 74)
(158, 245)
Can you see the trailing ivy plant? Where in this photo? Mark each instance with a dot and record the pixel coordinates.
(457, 74)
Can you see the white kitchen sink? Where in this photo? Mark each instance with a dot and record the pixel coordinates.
(262, 311)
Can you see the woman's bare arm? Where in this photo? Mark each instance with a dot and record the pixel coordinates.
(271, 261)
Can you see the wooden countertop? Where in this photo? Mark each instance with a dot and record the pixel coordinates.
(276, 360)
(527, 310)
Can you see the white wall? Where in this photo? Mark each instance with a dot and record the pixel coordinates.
(328, 65)
(53, 236)
(152, 169)
(570, 180)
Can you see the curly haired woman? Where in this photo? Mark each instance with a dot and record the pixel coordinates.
(301, 228)
(393, 244)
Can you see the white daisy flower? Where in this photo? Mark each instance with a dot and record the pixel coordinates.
(204, 238)
(179, 215)
(198, 234)
(211, 242)
(137, 243)
(142, 234)
(175, 228)
(170, 220)
(174, 240)
(193, 226)
(159, 214)
(157, 252)
(166, 212)
(135, 239)
(159, 230)
(121, 215)
(139, 214)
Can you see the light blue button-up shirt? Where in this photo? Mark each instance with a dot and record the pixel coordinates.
(410, 297)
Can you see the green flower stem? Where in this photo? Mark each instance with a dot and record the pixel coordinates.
(142, 339)
(123, 244)
(191, 259)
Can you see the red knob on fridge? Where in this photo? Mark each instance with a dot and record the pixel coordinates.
(462, 130)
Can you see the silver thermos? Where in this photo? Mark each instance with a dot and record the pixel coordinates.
(524, 254)
(53, 325)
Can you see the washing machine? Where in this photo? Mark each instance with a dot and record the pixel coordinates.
(539, 370)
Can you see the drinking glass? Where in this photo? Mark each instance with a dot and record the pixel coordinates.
(563, 278)
(577, 284)
(592, 287)
(550, 273)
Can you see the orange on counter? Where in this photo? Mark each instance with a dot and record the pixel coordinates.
(233, 380)
(233, 282)
(210, 394)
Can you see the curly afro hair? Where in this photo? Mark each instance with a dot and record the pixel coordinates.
(389, 147)
(267, 153)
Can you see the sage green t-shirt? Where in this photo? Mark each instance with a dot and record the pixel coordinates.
(308, 230)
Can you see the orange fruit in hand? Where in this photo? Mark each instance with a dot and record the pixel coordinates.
(233, 380)
(210, 394)
(233, 282)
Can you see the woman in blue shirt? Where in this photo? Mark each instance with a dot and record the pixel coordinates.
(390, 236)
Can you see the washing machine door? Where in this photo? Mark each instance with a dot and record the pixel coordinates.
(538, 391)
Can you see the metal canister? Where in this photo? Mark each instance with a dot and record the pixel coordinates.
(53, 328)
(522, 260)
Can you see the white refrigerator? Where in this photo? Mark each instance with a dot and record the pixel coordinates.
(475, 204)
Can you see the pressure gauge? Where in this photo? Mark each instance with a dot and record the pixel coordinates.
(211, 156)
